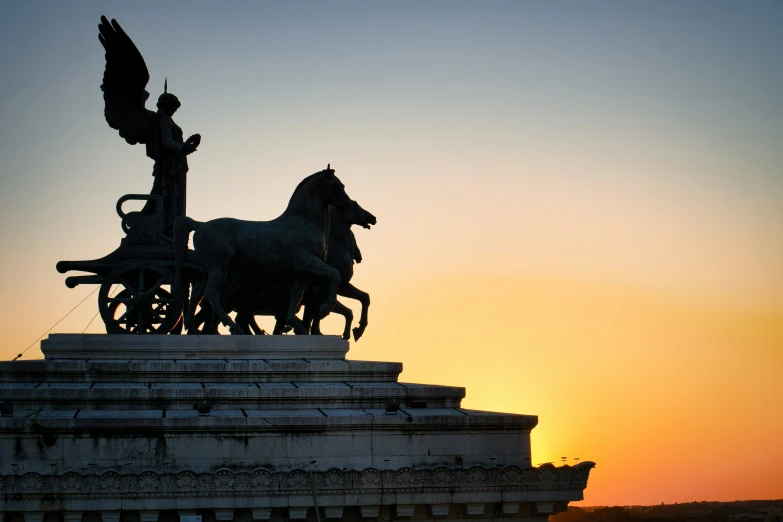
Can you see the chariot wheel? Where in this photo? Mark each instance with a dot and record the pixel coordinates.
(148, 301)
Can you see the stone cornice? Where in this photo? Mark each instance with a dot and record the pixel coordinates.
(246, 421)
(192, 347)
(199, 370)
(262, 481)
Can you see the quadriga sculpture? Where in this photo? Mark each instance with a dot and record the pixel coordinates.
(291, 247)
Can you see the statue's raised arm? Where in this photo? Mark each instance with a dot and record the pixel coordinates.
(124, 82)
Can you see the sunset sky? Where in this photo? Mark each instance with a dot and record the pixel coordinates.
(580, 204)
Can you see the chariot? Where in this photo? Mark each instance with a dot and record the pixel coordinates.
(138, 292)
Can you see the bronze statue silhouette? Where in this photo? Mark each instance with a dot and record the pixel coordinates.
(124, 94)
(292, 247)
(255, 267)
(342, 253)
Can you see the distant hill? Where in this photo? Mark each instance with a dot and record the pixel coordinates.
(739, 511)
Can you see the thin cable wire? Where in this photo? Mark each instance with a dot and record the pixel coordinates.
(55, 324)
(96, 313)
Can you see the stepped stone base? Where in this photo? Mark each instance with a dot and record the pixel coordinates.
(189, 347)
(99, 431)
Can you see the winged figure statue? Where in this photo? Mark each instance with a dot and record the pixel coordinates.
(124, 93)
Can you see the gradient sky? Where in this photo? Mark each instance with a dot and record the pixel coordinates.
(580, 204)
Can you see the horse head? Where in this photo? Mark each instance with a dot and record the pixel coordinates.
(354, 214)
(318, 191)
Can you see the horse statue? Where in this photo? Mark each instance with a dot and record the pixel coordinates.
(260, 253)
(342, 253)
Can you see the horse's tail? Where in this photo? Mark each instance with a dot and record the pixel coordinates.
(183, 226)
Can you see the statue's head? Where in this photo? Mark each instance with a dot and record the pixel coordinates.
(167, 102)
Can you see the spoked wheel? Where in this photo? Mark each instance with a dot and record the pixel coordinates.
(148, 301)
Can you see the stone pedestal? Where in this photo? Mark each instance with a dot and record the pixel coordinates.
(256, 428)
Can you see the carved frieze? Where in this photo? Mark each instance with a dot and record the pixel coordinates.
(253, 482)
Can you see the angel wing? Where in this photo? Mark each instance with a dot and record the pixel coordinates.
(124, 82)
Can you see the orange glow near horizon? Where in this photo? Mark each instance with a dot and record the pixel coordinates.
(676, 401)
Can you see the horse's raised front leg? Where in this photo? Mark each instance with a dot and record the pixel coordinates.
(212, 293)
(351, 292)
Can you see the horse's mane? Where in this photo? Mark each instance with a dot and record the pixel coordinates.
(306, 180)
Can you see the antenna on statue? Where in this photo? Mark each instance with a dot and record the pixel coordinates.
(165, 85)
